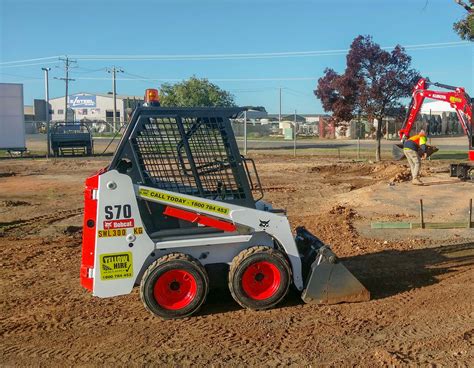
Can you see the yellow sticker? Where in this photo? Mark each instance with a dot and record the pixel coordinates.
(116, 266)
(454, 99)
(138, 230)
(111, 233)
(174, 199)
(118, 232)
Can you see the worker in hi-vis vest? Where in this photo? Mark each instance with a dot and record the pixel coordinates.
(412, 148)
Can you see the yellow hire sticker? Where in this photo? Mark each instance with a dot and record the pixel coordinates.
(116, 266)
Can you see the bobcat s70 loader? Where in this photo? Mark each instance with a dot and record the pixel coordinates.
(177, 201)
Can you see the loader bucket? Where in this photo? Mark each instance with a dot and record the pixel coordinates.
(332, 283)
(327, 280)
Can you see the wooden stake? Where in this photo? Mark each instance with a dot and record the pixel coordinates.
(469, 224)
(422, 219)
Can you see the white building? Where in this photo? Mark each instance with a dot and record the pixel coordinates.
(93, 107)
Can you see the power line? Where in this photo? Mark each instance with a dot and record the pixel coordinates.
(23, 65)
(209, 79)
(230, 56)
(28, 60)
(177, 57)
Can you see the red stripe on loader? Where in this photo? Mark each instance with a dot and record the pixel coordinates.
(200, 219)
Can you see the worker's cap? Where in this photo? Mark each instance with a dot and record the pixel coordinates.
(422, 133)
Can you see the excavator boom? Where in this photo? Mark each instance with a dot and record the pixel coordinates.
(456, 97)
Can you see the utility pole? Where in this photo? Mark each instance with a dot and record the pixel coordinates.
(67, 66)
(46, 93)
(114, 72)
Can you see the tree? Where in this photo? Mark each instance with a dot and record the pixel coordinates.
(374, 82)
(465, 27)
(338, 94)
(195, 92)
(383, 79)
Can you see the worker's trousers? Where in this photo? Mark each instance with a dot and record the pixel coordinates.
(414, 161)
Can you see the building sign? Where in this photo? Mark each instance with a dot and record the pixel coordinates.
(81, 101)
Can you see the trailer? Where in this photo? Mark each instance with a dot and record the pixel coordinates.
(71, 139)
(12, 118)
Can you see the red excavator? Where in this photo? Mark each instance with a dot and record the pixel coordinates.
(460, 101)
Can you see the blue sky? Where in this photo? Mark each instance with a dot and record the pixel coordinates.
(31, 29)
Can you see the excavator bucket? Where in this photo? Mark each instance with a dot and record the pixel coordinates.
(397, 151)
(327, 280)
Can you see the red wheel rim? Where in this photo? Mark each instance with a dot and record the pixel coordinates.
(175, 289)
(261, 280)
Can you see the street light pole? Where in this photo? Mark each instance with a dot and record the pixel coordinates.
(46, 93)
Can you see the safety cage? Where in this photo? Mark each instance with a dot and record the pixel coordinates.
(188, 151)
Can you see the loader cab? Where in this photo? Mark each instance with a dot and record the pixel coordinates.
(190, 151)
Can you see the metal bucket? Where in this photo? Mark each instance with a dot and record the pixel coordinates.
(327, 280)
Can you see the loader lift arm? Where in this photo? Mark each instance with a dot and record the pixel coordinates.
(455, 96)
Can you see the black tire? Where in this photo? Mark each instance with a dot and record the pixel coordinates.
(258, 288)
(173, 274)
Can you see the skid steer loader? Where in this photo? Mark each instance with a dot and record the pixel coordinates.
(178, 200)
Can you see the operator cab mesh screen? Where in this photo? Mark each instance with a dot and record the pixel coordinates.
(189, 155)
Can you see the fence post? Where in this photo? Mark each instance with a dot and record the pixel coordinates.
(358, 148)
(294, 136)
(469, 225)
(245, 132)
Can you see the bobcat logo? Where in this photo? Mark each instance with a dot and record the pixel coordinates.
(264, 224)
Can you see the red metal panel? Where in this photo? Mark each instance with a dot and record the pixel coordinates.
(89, 230)
(200, 219)
(471, 155)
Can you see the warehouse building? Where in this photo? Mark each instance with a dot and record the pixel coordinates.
(85, 106)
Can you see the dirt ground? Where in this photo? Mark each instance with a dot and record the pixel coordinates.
(421, 281)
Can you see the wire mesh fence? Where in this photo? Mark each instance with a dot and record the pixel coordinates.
(261, 133)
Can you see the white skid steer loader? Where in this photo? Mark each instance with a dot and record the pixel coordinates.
(176, 200)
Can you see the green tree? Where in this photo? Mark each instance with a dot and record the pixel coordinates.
(195, 92)
(465, 27)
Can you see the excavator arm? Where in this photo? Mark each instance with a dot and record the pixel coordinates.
(455, 96)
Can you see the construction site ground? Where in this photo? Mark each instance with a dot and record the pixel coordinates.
(421, 281)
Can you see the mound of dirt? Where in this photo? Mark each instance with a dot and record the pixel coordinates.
(363, 174)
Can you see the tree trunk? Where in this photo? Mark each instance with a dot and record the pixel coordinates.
(378, 137)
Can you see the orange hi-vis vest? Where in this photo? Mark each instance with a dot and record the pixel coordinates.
(419, 139)
(415, 142)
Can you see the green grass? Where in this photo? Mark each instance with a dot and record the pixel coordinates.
(449, 155)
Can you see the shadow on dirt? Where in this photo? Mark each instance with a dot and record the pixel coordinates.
(391, 272)
(384, 274)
